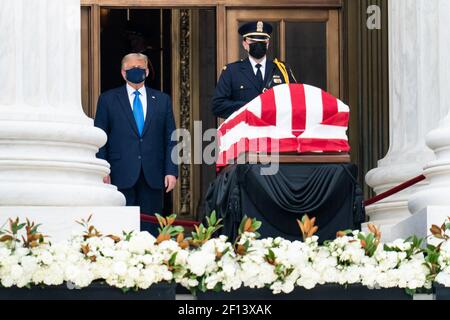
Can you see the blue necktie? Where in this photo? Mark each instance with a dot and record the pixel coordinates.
(138, 112)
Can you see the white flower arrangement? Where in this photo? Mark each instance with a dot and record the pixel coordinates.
(352, 258)
(439, 256)
(137, 260)
(132, 261)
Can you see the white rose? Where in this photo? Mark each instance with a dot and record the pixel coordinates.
(21, 252)
(169, 245)
(141, 242)
(16, 272)
(7, 282)
(133, 273)
(147, 259)
(199, 261)
(120, 268)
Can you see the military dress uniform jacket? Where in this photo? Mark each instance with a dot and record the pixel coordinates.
(238, 85)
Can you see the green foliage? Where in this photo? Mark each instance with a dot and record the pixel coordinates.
(270, 256)
(249, 225)
(202, 234)
(166, 226)
(416, 246)
(410, 292)
(432, 260)
(369, 242)
(127, 235)
(11, 235)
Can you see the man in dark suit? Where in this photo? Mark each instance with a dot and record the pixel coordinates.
(139, 122)
(244, 80)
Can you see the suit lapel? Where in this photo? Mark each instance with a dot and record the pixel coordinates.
(269, 71)
(151, 105)
(126, 108)
(247, 70)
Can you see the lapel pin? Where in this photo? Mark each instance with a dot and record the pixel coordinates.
(153, 97)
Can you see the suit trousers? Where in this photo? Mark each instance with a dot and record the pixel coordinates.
(150, 201)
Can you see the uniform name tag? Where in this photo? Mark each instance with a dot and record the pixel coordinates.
(277, 80)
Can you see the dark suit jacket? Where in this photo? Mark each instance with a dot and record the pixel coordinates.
(238, 86)
(125, 150)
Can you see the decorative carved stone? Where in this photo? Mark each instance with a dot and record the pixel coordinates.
(185, 106)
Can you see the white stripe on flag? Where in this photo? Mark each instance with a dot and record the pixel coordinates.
(325, 132)
(254, 106)
(284, 107)
(314, 106)
(243, 130)
(342, 107)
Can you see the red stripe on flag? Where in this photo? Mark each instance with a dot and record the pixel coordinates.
(245, 117)
(268, 108)
(330, 105)
(298, 109)
(266, 145)
(323, 145)
(231, 123)
(340, 119)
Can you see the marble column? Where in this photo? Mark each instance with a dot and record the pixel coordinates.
(47, 143)
(416, 50)
(437, 171)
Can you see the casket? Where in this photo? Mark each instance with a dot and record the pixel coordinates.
(287, 119)
(302, 130)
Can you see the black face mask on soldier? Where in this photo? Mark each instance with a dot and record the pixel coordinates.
(258, 49)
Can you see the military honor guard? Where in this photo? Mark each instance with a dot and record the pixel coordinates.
(243, 80)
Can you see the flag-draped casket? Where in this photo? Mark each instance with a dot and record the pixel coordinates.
(287, 118)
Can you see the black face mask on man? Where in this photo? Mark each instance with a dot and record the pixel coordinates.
(258, 49)
(136, 75)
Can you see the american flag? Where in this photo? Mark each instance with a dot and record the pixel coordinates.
(287, 118)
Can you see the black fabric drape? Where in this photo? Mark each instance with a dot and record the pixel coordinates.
(328, 192)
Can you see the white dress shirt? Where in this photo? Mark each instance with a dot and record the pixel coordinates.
(142, 96)
(262, 63)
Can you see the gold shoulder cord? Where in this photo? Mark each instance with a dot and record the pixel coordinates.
(283, 70)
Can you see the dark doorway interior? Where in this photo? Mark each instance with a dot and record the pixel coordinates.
(149, 31)
(144, 31)
(140, 30)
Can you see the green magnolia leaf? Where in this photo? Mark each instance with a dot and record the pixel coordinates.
(256, 225)
(178, 229)
(218, 287)
(271, 255)
(160, 219)
(127, 235)
(410, 292)
(304, 218)
(213, 219)
(246, 245)
(225, 251)
(202, 285)
(279, 269)
(172, 259)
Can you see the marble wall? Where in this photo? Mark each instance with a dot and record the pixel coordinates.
(418, 82)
